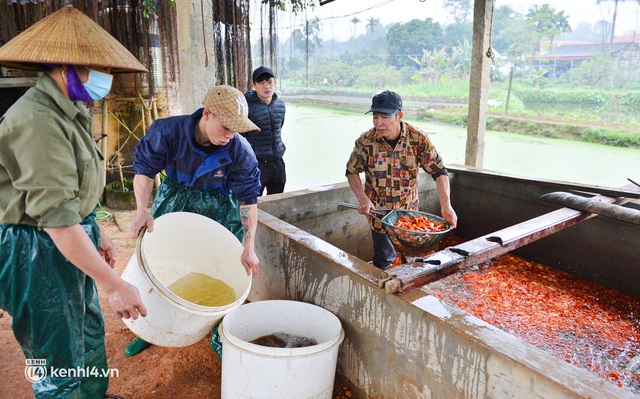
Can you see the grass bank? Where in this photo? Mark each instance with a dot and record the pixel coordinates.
(545, 127)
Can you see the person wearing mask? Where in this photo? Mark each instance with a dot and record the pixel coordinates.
(52, 251)
(267, 111)
(391, 154)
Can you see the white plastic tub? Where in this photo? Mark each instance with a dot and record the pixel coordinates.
(182, 243)
(256, 372)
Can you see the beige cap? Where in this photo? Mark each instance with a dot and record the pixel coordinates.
(68, 37)
(229, 105)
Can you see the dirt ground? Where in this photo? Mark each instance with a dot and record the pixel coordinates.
(192, 372)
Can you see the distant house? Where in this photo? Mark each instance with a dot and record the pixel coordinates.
(546, 45)
(627, 38)
(626, 56)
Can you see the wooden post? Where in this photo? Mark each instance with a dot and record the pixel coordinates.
(104, 144)
(154, 110)
(479, 83)
(196, 76)
(506, 107)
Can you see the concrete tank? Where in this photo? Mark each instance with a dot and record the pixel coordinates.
(414, 345)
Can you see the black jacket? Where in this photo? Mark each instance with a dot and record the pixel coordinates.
(267, 143)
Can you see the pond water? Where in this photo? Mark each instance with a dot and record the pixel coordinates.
(319, 141)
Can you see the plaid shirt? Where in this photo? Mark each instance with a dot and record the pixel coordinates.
(391, 174)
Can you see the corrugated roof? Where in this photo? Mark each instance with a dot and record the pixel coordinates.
(582, 51)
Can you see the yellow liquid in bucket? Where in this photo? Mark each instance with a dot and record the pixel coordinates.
(203, 290)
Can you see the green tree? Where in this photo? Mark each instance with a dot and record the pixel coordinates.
(460, 60)
(505, 19)
(297, 6)
(379, 77)
(372, 23)
(546, 22)
(409, 39)
(432, 65)
(335, 72)
(519, 40)
(459, 9)
(597, 72)
(355, 21)
(310, 33)
(457, 33)
(537, 76)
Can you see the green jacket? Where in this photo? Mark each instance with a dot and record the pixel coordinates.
(49, 162)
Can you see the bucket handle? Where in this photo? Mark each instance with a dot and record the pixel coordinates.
(139, 253)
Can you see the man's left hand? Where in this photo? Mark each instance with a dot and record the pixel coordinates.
(250, 262)
(107, 250)
(449, 215)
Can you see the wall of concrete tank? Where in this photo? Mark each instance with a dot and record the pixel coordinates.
(414, 345)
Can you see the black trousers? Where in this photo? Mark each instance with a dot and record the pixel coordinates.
(272, 176)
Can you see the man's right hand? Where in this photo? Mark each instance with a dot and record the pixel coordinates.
(125, 301)
(365, 206)
(143, 219)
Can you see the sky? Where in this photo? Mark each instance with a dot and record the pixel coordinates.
(336, 16)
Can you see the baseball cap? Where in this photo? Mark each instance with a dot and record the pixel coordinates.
(386, 102)
(261, 70)
(229, 105)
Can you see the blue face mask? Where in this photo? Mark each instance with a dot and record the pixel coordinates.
(98, 85)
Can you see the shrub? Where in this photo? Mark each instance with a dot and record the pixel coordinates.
(591, 97)
(379, 77)
(631, 99)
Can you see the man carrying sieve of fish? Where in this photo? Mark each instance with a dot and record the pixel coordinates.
(211, 169)
(390, 155)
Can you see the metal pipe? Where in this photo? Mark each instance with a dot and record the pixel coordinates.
(594, 206)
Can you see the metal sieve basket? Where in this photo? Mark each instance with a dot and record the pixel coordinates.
(411, 242)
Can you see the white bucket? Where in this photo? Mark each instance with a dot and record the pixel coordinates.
(254, 371)
(183, 243)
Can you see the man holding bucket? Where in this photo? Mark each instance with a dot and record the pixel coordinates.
(390, 155)
(211, 169)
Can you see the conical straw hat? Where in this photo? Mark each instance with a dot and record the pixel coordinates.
(68, 37)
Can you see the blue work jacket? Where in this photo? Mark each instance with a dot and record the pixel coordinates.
(169, 146)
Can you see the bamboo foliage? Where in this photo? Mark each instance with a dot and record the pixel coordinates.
(142, 32)
(232, 42)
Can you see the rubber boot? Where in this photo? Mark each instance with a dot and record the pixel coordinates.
(136, 346)
(95, 384)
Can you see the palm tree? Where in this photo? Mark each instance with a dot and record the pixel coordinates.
(355, 21)
(372, 23)
(615, 15)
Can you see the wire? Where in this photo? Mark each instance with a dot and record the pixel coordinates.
(383, 3)
(102, 214)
